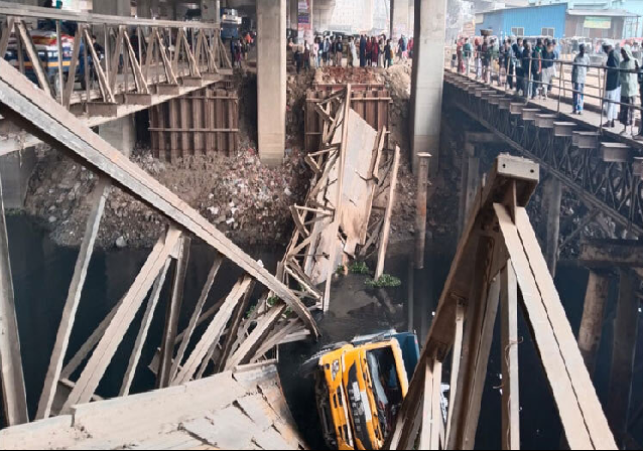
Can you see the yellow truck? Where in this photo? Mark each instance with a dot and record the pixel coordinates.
(360, 387)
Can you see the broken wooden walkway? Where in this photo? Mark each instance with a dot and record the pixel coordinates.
(230, 339)
(498, 270)
(244, 409)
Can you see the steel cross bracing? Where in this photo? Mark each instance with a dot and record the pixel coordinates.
(230, 339)
(498, 270)
(145, 62)
(605, 175)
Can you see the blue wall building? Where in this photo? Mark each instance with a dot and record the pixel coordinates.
(558, 20)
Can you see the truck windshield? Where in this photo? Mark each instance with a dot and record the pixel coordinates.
(386, 385)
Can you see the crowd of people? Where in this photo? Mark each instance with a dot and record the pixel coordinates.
(362, 51)
(239, 49)
(530, 66)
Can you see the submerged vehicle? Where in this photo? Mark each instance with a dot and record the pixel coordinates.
(360, 386)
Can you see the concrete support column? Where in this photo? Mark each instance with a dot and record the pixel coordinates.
(211, 10)
(591, 326)
(470, 183)
(552, 198)
(113, 7)
(121, 134)
(623, 353)
(401, 20)
(428, 79)
(293, 7)
(271, 80)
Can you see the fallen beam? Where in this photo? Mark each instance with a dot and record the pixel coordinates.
(23, 103)
(611, 253)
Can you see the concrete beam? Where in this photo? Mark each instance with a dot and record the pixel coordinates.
(428, 79)
(481, 138)
(611, 253)
(551, 201)
(271, 80)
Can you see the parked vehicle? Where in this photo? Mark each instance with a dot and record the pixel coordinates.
(230, 23)
(360, 387)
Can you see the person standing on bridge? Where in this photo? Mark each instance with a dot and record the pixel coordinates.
(579, 76)
(467, 52)
(518, 48)
(612, 87)
(629, 88)
(527, 79)
(548, 69)
(362, 51)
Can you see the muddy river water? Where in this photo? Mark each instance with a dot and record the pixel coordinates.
(42, 271)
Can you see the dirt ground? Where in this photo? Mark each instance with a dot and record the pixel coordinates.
(243, 198)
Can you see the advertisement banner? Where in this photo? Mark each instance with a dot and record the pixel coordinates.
(601, 23)
(305, 21)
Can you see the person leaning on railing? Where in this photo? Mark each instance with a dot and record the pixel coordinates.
(579, 77)
(629, 88)
(612, 87)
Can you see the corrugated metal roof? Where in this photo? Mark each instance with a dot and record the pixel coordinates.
(601, 13)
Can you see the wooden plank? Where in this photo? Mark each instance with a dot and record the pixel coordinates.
(386, 231)
(139, 79)
(135, 357)
(98, 200)
(437, 424)
(338, 201)
(510, 373)
(44, 117)
(479, 369)
(557, 373)
(426, 431)
(14, 396)
(71, 81)
(250, 345)
(173, 314)
(106, 348)
(32, 53)
(590, 405)
(235, 323)
(6, 34)
(213, 334)
(196, 315)
(455, 366)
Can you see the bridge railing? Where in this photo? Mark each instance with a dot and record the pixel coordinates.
(559, 87)
(99, 61)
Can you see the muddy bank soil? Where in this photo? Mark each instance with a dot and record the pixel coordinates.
(246, 200)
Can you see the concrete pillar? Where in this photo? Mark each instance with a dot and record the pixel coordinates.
(210, 10)
(623, 355)
(306, 21)
(271, 80)
(121, 134)
(591, 326)
(470, 184)
(294, 14)
(401, 23)
(113, 7)
(552, 198)
(16, 169)
(428, 79)
(369, 13)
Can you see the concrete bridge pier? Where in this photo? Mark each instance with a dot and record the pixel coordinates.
(401, 18)
(271, 80)
(428, 80)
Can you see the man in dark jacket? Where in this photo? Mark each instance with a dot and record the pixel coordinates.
(362, 52)
(517, 51)
(612, 86)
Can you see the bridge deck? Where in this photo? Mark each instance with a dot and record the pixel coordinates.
(241, 410)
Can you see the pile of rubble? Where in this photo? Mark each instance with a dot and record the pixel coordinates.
(242, 197)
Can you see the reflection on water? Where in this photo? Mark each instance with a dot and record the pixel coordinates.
(42, 271)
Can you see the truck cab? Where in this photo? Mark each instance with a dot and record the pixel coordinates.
(360, 387)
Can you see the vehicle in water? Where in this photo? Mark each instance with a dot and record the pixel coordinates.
(360, 387)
